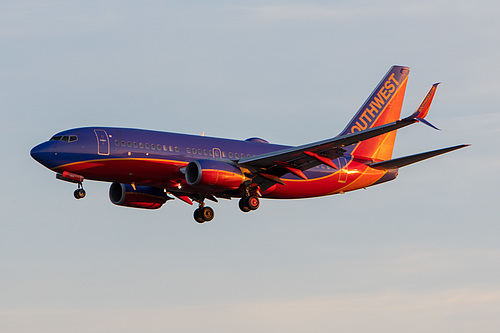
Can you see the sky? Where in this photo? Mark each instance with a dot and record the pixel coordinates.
(419, 254)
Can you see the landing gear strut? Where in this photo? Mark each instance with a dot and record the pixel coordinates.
(203, 213)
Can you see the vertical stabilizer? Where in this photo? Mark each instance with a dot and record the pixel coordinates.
(382, 107)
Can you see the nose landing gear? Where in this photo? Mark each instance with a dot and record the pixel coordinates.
(79, 192)
(73, 178)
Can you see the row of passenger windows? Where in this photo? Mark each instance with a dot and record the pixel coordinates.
(198, 151)
(193, 151)
(67, 138)
(146, 145)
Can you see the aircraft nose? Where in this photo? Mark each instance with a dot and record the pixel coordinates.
(41, 153)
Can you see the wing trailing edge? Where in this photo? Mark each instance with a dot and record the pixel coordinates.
(315, 150)
(407, 160)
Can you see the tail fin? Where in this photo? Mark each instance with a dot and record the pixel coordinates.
(382, 107)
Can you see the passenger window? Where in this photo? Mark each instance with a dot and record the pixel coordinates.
(236, 155)
(188, 150)
(224, 154)
(158, 147)
(210, 153)
(123, 143)
(199, 151)
(153, 147)
(170, 148)
(147, 145)
(129, 144)
(141, 145)
(135, 144)
(164, 148)
(117, 143)
(176, 149)
(230, 155)
(194, 151)
(205, 152)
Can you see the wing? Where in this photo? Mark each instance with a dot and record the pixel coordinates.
(271, 166)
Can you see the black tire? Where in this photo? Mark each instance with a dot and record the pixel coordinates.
(79, 193)
(197, 216)
(207, 214)
(243, 206)
(252, 202)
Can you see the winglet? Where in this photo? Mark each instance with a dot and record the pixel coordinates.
(423, 109)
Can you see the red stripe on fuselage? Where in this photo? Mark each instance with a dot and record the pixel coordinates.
(167, 174)
(153, 172)
(356, 175)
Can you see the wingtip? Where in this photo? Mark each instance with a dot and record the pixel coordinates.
(424, 107)
(459, 147)
(422, 120)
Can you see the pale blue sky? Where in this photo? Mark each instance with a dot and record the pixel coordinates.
(420, 254)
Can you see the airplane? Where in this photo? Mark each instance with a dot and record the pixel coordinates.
(147, 168)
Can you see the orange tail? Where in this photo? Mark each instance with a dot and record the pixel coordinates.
(382, 107)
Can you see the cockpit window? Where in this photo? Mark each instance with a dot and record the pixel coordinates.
(66, 138)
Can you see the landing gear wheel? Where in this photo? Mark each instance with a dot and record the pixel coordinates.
(197, 216)
(79, 193)
(252, 202)
(207, 213)
(203, 214)
(243, 205)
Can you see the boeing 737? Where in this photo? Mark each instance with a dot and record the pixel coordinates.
(147, 168)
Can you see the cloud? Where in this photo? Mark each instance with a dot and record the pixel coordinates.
(339, 12)
(303, 12)
(452, 310)
(27, 19)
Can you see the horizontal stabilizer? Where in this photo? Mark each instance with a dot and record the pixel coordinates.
(407, 160)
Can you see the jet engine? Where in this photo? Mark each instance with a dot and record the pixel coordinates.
(147, 197)
(216, 175)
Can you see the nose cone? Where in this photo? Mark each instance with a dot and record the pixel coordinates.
(42, 153)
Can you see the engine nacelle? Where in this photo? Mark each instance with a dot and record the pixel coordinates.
(216, 175)
(147, 197)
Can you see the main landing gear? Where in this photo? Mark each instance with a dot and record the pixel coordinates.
(203, 213)
(249, 203)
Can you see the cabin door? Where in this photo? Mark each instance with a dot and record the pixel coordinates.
(342, 163)
(217, 153)
(102, 142)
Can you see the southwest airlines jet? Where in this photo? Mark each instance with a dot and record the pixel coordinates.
(147, 168)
